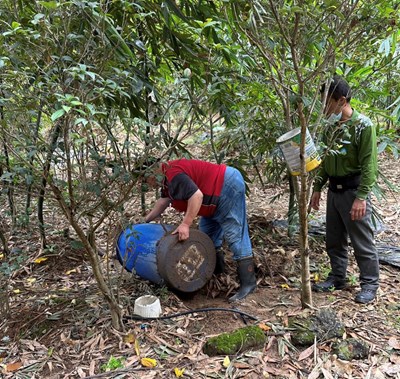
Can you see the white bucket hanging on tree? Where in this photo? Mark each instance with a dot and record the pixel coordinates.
(289, 143)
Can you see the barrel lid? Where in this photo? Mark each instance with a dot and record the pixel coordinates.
(187, 265)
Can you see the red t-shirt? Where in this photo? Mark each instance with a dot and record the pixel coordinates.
(184, 177)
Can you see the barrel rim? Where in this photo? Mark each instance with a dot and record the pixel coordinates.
(288, 135)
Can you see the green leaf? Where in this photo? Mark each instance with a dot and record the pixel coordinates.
(91, 74)
(395, 36)
(49, 4)
(382, 147)
(91, 109)
(57, 114)
(77, 245)
(385, 47)
(81, 120)
(176, 10)
(296, 9)
(28, 179)
(66, 58)
(7, 177)
(362, 72)
(37, 18)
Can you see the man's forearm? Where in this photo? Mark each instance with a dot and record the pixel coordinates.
(194, 204)
(160, 206)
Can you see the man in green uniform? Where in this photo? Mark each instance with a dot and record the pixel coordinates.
(350, 168)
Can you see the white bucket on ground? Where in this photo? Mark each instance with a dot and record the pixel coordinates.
(147, 306)
(289, 144)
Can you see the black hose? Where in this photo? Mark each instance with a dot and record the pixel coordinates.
(137, 317)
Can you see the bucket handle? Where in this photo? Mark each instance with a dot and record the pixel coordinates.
(163, 226)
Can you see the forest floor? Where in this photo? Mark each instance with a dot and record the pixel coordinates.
(60, 327)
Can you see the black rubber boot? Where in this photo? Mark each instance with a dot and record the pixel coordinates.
(247, 279)
(220, 262)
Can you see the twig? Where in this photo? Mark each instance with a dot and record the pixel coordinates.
(115, 373)
(315, 349)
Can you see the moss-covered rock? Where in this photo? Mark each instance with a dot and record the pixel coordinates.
(250, 337)
(351, 349)
(323, 325)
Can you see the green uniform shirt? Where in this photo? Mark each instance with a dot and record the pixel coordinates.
(351, 149)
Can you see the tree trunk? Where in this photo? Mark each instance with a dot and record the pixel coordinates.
(253, 161)
(4, 300)
(46, 170)
(8, 185)
(93, 257)
(306, 296)
(31, 160)
(292, 211)
(4, 242)
(9, 189)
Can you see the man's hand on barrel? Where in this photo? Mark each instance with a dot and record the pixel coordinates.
(194, 204)
(183, 232)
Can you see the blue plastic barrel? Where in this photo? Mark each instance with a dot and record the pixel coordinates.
(151, 252)
(137, 248)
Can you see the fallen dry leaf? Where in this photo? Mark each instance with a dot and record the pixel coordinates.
(148, 362)
(137, 347)
(395, 358)
(40, 260)
(390, 369)
(178, 372)
(326, 373)
(277, 371)
(342, 367)
(241, 365)
(393, 342)
(11, 367)
(264, 327)
(306, 353)
(226, 362)
(131, 361)
(280, 314)
(129, 338)
(378, 374)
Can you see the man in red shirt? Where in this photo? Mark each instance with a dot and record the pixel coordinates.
(215, 192)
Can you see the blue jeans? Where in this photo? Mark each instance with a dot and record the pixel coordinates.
(229, 220)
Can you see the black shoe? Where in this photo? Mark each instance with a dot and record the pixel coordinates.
(330, 284)
(365, 296)
(247, 279)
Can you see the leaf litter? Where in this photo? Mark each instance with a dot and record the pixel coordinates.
(60, 326)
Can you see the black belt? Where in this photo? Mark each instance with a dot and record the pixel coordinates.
(344, 183)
